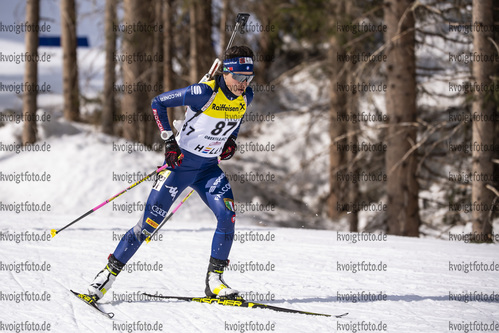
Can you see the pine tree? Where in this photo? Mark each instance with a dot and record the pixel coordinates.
(31, 73)
(402, 185)
(483, 109)
(71, 89)
(108, 96)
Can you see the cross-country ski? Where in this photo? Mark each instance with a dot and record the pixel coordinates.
(239, 303)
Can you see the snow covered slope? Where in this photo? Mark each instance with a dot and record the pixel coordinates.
(416, 285)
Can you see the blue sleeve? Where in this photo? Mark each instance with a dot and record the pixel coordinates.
(195, 96)
(249, 98)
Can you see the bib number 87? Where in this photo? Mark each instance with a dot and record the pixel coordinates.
(219, 127)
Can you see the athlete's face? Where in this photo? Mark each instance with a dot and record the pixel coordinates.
(236, 87)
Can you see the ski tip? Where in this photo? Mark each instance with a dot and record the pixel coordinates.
(53, 232)
(90, 301)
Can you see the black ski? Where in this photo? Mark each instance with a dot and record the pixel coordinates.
(92, 302)
(240, 303)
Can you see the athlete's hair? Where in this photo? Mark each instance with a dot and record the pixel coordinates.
(238, 51)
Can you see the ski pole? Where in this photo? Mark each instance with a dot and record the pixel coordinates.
(54, 232)
(148, 239)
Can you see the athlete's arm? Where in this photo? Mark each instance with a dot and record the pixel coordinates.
(195, 96)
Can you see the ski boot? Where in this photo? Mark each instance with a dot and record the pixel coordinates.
(105, 278)
(215, 284)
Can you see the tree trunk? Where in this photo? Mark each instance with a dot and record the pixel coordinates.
(158, 47)
(151, 133)
(136, 103)
(337, 127)
(224, 16)
(353, 195)
(70, 62)
(168, 47)
(31, 74)
(206, 52)
(202, 53)
(402, 185)
(108, 102)
(483, 128)
(194, 70)
(352, 187)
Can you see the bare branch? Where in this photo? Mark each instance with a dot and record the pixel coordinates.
(490, 187)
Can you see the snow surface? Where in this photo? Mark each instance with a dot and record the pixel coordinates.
(414, 292)
(418, 289)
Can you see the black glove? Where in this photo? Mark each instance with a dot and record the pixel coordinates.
(173, 155)
(229, 148)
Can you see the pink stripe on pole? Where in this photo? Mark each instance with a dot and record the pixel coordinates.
(102, 204)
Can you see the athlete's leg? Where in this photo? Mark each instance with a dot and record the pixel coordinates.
(168, 185)
(214, 189)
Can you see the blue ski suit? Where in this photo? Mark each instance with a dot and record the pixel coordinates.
(213, 115)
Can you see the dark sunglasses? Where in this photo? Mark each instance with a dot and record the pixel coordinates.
(241, 77)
